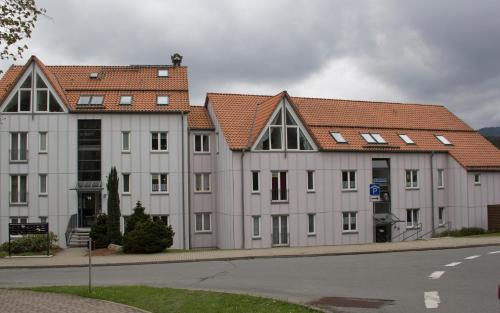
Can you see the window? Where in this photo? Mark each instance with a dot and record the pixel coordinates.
(202, 182)
(443, 140)
(338, 137)
(256, 227)
(373, 138)
(310, 181)
(42, 142)
(19, 189)
(126, 183)
(125, 141)
(18, 147)
(279, 190)
(125, 100)
(159, 141)
(42, 184)
(311, 224)
(411, 178)
(217, 143)
(203, 222)
(162, 100)
(255, 181)
(407, 139)
(201, 143)
(161, 217)
(440, 178)
(412, 218)
(18, 220)
(441, 216)
(349, 180)
(349, 221)
(284, 124)
(159, 183)
(94, 75)
(477, 179)
(43, 219)
(91, 100)
(162, 73)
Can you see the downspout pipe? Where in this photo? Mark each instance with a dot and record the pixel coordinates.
(183, 184)
(242, 191)
(432, 194)
(188, 140)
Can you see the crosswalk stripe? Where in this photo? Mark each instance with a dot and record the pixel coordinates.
(431, 299)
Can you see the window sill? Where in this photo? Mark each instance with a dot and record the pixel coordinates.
(440, 187)
(203, 232)
(257, 238)
(255, 192)
(201, 152)
(202, 192)
(413, 227)
(125, 152)
(43, 152)
(126, 194)
(279, 201)
(442, 225)
(311, 191)
(18, 161)
(158, 151)
(412, 188)
(43, 194)
(347, 232)
(311, 234)
(477, 184)
(160, 193)
(19, 204)
(349, 190)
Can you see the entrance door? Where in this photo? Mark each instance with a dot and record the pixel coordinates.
(88, 201)
(494, 217)
(280, 230)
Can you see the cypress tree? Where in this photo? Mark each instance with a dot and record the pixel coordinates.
(113, 222)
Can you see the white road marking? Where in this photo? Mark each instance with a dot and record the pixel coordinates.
(431, 299)
(436, 275)
(493, 252)
(472, 257)
(453, 264)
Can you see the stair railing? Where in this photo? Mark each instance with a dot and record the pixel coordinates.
(72, 224)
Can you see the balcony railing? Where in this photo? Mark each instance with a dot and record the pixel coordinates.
(20, 198)
(279, 195)
(18, 155)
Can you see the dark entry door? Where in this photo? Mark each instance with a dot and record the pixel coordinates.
(383, 233)
(87, 208)
(494, 217)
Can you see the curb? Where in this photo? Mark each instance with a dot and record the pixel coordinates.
(283, 256)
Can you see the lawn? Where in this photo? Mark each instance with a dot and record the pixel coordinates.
(159, 300)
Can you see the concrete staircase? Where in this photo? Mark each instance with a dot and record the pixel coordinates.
(79, 237)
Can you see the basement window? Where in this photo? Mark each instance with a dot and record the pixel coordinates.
(338, 137)
(443, 140)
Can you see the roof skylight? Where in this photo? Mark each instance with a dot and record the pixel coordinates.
(443, 140)
(338, 137)
(162, 73)
(125, 100)
(162, 100)
(90, 100)
(407, 139)
(94, 75)
(373, 138)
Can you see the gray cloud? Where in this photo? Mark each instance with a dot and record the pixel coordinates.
(433, 52)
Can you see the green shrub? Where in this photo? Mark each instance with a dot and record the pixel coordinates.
(114, 233)
(30, 243)
(136, 217)
(99, 232)
(148, 236)
(465, 231)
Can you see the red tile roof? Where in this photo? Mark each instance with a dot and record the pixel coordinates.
(198, 118)
(242, 118)
(140, 81)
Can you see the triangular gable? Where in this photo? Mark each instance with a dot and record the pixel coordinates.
(279, 112)
(36, 70)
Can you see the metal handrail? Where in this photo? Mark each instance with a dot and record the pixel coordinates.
(448, 227)
(72, 224)
(416, 230)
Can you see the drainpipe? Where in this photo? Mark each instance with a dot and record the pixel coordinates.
(183, 183)
(188, 140)
(432, 193)
(242, 202)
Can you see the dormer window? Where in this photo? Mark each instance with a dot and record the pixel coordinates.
(125, 100)
(338, 137)
(94, 75)
(373, 138)
(443, 140)
(162, 73)
(406, 139)
(90, 100)
(162, 100)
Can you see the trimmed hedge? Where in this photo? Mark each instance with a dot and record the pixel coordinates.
(465, 231)
(30, 243)
(148, 237)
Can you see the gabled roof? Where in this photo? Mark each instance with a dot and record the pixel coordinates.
(242, 118)
(198, 118)
(139, 81)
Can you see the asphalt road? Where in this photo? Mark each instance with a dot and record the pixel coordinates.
(468, 287)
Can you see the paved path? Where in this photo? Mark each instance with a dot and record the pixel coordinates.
(78, 257)
(20, 301)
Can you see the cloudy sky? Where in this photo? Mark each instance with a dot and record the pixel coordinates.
(444, 52)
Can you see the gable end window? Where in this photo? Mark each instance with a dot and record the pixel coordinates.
(19, 147)
(42, 142)
(256, 230)
(126, 142)
(311, 224)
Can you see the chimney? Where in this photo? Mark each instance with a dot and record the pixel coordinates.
(176, 59)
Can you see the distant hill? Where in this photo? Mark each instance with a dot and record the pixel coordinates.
(492, 134)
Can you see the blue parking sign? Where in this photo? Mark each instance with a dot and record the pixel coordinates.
(374, 192)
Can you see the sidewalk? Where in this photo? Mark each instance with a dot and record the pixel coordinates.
(78, 256)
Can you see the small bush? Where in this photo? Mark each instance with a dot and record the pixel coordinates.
(137, 217)
(148, 236)
(30, 243)
(465, 231)
(99, 232)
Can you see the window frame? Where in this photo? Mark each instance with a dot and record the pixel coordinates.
(161, 103)
(18, 202)
(18, 134)
(255, 191)
(159, 177)
(127, 134)
(204, 176)
(407, 139)
(440, 178)
(202, 150)
(350, 215)
(445, 141)
(203, 216)
(412, 171)
(258, 219)
(441, 216)
(162, 70)
(311, 175)
(279, 190)
(349, 188)
(477, 179)
(40, 191)
(126, 103)
(415, 218)
(91, 99)
(127, 192)
(309, 216)
(338, 137)
(41, 135)
(158, 139)
(373, 138)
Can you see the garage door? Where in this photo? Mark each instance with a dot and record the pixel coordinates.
(494, 217)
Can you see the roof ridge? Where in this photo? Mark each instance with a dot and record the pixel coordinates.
(238, 94)
(371, 101)
(397, 128)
